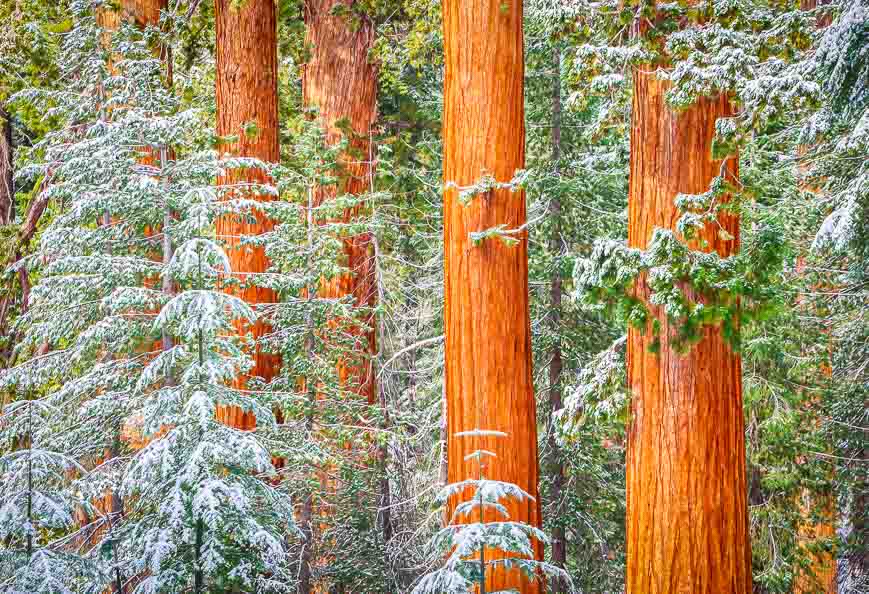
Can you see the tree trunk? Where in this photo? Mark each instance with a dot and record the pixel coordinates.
(486, 317)
(340, 80)
(556, 466)
(144, 13)
(7, 183)
(822, 577)
(687, 515)
(247, 76)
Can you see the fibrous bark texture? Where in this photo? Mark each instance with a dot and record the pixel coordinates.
(822, 576)
(247, 75)
(487, 330)
(340, 80)
(687, 515)
(145, 13)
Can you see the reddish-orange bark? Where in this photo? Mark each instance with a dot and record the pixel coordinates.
(486, 317)
(143, 12)
(247, 75)
(822, 575)
(687, 514)
(340, 80)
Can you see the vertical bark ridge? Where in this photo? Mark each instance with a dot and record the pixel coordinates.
(556, 465)
(247, 75)
(687, 518)
(487, 329)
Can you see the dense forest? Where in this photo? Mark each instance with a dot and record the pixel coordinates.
(434, 296)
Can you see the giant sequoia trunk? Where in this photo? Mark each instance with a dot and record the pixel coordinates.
(340, 80)
(247, 76)
(687, 515)
(819, 523)
(487, 330)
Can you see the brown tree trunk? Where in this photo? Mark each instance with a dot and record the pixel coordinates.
(145, 13)
(486, 317)
(687, 515)
(7, 184)
(823, 574)
(340, 80)
(822, 577)
(247, 92)
(556, 465)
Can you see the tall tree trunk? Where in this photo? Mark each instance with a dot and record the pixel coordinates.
(556, 466)
(486, 317)
(340, 80)
(247, 93)
(7, 184)
(687, 515)
(822, 577)
(145, 13)
(7, 216)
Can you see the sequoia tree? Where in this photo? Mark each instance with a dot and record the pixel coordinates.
(247, 112)
(340, 81)
(687, 515)
(486, 311)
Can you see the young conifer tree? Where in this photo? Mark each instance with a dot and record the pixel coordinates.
(204, 511)
(471, 537)
(89, 312)
(201, 511)
(37, 507)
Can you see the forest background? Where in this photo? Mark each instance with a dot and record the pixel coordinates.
(230, 343)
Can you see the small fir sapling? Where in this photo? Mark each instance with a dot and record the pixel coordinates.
(204, 512)
(465, 545)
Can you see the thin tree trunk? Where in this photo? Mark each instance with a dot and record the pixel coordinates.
(247, 74)
(7, 216)
(687, 515)
(486, 317)
(306, 513)
(556, 466)
(340, 80)
(7, 182)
